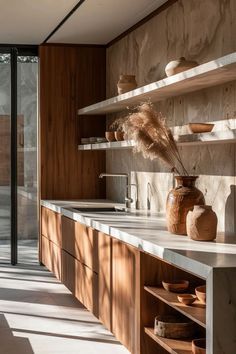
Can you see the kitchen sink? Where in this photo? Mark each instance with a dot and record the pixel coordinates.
(98, 209)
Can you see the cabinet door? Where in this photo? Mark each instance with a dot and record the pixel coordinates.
(51, 256)
(104, 279)
(81, 281)
(68, 271)
(51, 225)
(81, 242)
(125, 294)
(86, 287)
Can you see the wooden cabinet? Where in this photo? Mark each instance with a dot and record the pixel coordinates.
(101, 272)
(50, 241)
(125, 294)
(51, 256)
(51, 225)
(105, 279)
(81, 242)
(81, 281)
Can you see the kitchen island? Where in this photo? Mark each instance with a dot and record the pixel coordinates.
(114, 262)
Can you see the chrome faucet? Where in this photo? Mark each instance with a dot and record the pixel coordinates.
(128, 200)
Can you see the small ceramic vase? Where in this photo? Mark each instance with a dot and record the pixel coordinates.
(177, 66)
(202, 223)
(126, 83)
(180, 200)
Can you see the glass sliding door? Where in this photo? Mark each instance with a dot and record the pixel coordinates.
(5, 156)
(18, 155)
(27, 141)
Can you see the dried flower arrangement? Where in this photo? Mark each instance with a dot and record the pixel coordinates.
(153, 138)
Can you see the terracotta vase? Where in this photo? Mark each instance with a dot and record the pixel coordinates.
(126, 83)
(202, 223)
(179, 65)
(180, 201)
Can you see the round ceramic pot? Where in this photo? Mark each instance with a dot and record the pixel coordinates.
(126, 83)
(179, 65)
(202, 223)
(180, 201)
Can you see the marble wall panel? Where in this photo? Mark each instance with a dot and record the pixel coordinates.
(199, 30)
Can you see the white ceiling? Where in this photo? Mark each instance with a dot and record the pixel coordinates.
(100, 21)
(94, 22)
(30, 21)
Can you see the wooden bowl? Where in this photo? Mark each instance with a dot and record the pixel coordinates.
(177, 286)
(174, 327)
(200, 127)
(186, 299)
(110, 136)
(199, 346)
(119, 136)
(201, 293)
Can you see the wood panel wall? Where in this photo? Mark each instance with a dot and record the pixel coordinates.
(70, 77)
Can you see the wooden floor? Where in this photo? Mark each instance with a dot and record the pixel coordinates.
(38, 315)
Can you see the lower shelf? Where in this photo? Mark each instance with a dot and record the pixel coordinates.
(196, 312)
(173, 346)
(215, 137)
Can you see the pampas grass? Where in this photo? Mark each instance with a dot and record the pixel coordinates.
(153, 138)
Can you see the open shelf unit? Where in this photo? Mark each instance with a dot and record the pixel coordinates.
(196, 312)
(206, 75)
(172, 346)
(227, 136)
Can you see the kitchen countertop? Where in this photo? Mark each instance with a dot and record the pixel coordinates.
(147, 231)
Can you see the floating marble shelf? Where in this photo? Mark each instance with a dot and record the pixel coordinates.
(227, 136)
(126, 144)
(210, 74)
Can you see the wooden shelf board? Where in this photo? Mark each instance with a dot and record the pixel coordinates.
(173, 346)
(206, 75)
(196, 312)
(227, 136)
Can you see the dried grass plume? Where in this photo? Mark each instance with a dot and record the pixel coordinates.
(153, 138)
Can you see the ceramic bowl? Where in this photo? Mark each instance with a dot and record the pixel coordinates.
(175, 327)
(119, 135)
(199, 346)
(186, 299)
(200, 127)
(110, 136)
(176, 286)
(201, 293)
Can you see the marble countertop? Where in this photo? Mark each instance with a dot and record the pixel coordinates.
(147, 231)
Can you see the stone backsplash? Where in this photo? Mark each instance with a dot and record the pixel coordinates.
(199, 30)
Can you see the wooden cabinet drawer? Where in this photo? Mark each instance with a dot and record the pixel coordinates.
(51, 225)
(81, 281)
(51, 256)
(81, 242)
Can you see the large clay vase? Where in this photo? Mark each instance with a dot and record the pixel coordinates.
(179, 65)
(126, 83)
(180, 201)
(202, 223)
